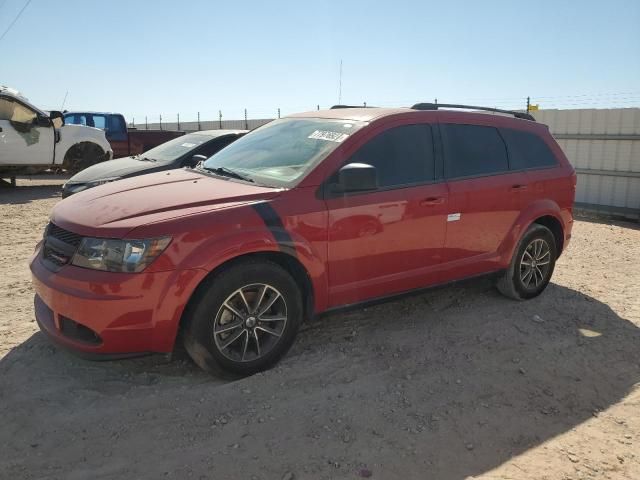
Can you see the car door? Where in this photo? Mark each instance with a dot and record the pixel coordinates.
(22, 140)
(389, 240)
(485, 197)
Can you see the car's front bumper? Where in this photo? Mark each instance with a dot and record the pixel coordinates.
(111, 314)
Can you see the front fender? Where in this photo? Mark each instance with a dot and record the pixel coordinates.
(186, 253)
(71, 135)
(537, 209)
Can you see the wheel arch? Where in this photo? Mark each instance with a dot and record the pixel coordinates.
(290, 263)
(543, 212)
(554, 224)
(80, 147)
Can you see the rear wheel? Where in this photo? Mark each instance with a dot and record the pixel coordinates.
(243, 320)
(532, 265)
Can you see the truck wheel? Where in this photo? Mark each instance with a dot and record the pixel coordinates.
(83, 155)
(532, 265)
(244, 319)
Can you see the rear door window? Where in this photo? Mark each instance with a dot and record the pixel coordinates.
(99, 121)
(527, 150)
(473, 150)
(402, 155)
(116, 128)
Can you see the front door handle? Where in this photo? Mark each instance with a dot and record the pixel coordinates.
(432, 201)
(519, 188)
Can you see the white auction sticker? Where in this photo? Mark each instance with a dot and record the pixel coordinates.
(328, 136)
(188, 145)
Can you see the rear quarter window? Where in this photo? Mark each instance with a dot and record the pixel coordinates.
(527, 150)
(473, 150)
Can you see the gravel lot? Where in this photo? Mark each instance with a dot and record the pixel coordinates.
(455, 383)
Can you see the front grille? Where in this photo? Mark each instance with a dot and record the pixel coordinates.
(63, 235)
(55, 257)
(59, 246)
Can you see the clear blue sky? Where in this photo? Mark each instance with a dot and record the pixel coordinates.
(163, 57)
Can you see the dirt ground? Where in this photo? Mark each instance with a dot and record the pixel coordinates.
(455, 383)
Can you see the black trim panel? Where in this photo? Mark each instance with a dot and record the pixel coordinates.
(274, 223)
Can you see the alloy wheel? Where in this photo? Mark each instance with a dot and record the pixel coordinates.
(250, 322)
(535, 263)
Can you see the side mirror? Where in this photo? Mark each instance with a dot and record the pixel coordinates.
(357, 177)
(57, 118)
(195, 160)
(42, 121)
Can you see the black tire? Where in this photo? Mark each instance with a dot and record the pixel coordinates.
(82, 156)
(515, 283)
(206, 312)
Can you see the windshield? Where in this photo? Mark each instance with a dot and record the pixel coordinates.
(280, 153)
(176, 148)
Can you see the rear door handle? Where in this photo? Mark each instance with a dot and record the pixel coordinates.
(432, 201)
(519, 187)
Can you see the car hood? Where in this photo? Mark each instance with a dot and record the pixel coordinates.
(118, 168)
(114, 209)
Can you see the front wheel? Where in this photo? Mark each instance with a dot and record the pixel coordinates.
(532, 265)
(244, 319)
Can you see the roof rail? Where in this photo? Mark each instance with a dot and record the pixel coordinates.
(436, 106)
(335, 107)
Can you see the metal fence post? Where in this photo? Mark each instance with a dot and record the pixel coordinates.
(246, 124)
(278, 113)
(160, 122)
(318, 107)
(146, 125)
(199, 121)
(220, 119)
(528, 104)
(178, 121)
(133, 122)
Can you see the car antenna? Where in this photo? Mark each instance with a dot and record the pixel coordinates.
(64, 100)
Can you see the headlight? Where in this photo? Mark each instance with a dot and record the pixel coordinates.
(79, 187)
(119, 255)
(103, 181)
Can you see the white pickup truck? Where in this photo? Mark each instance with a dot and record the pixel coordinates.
(33, 140)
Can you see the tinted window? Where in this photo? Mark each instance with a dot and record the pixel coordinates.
(401, 155)
(99, 121)
(75, 119)
(473, 150)
(116, 128)
(527, 150)
(216, 145)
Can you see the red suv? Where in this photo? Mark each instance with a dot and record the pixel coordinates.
(306, 214)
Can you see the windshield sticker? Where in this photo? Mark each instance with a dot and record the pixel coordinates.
(188, 145)
(328, 136)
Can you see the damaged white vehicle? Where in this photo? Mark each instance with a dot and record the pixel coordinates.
(32, 140)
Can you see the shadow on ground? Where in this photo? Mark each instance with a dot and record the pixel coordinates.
(446, 385)
(25, 193)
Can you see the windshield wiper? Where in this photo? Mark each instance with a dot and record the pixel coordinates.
(227, 172)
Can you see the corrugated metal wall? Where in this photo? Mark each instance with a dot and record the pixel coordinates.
(604, 147)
